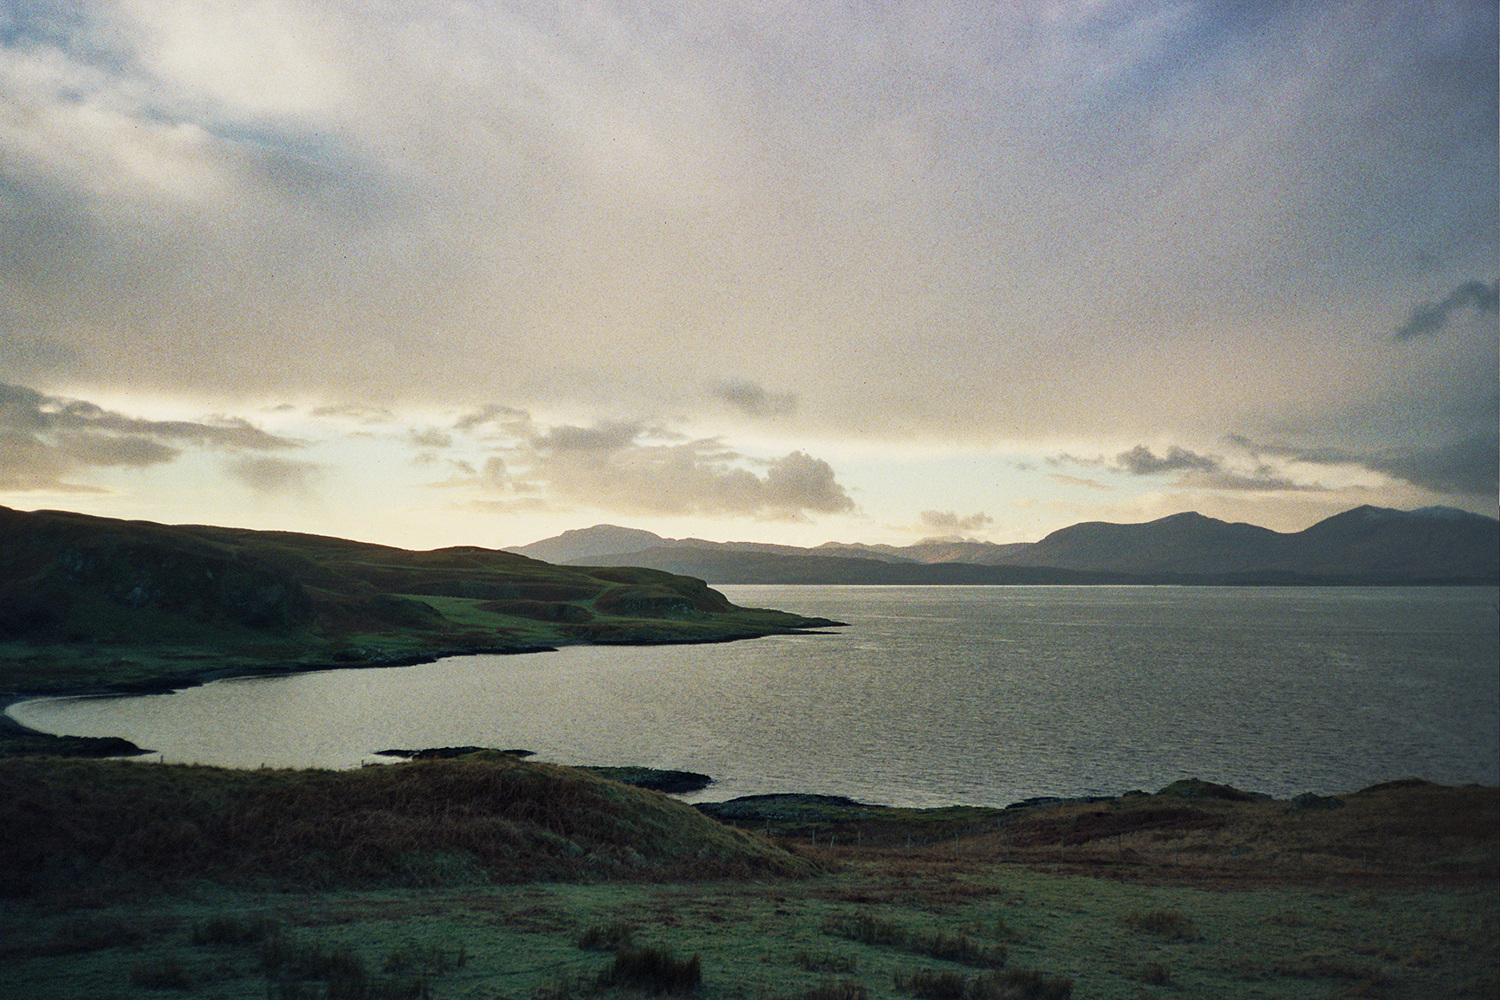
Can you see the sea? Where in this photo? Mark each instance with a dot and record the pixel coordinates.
(928, 696)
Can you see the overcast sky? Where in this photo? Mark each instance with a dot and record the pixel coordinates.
(476, 273)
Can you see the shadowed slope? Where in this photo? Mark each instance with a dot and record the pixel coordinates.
(484, 818)
(97, 603)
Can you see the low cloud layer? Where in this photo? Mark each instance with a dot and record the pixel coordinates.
(45, 441)
(1466, 467)
(270, 476)
(632, 467)
(1141, 461)
(1431, 317)
(755, 401)
(949, 522)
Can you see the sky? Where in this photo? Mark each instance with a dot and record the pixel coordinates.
(475, 273)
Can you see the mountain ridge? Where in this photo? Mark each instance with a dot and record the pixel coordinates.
(1365, 544)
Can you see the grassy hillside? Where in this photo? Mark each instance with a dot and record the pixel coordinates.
(485, 818)
(91, 603)
(492, 877)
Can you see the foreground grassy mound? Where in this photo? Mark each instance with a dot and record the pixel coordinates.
(1390, 895)
(486, 818)
(1192, 830)
(91, 603)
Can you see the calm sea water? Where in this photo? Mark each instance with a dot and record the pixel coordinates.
(932, 696)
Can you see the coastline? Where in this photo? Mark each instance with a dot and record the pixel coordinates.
(20, 740)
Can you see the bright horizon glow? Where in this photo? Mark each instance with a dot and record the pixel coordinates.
(775, 274)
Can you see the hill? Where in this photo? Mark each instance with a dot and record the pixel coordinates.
(728, 566)
(1366, 545)
(486, 877)
(480, 819)
(89, 603)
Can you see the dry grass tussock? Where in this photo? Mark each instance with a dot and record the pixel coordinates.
(487, 818)
(1409, 830)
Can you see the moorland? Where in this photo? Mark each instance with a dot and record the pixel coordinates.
(483, 874)
(491, 876)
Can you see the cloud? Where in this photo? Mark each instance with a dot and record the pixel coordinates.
(1140, 461)
(429, 437)
(130, 450)
(939, 520)
(798, 482)
(1067, 480)
(699, 477)
(45, 440)
(1430, 318)
(627, 467)
(1466, 466)
(357, 412)
(779, 194)
(753, 400)
(499, 418)
(271, 476)
(961, 228)
(603, 437)
(1263, 479)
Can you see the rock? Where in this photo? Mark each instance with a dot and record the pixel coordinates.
(1307, 800)
(1197, 788)
(655, 779)
(448, 753)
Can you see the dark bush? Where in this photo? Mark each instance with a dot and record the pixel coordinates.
(606, 937)
(653, 970)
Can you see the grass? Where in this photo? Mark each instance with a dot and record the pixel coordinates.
(519, 940)
(179, 881)
(1167, 924)
(1011, 984)
(607, 937)
(486, 818)
(946, 947)
(91, 604)
(653, 970)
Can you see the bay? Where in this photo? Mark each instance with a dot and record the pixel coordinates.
(931, 696)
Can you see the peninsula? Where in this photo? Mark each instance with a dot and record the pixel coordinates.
(91, 604)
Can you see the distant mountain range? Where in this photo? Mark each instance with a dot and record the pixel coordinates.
(1366, 545)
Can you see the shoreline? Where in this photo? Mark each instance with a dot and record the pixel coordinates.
(15, 737)
(800, 810)
(19, 740)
